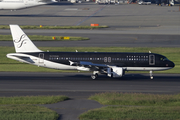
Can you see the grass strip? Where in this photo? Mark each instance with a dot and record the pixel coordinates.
(132, 113)
(54, 27)
(31, 100)
(21, 108)
(134, 106)
(12, 65)
(43, 38)
(23, 67)
(27, 112)
(114, 98)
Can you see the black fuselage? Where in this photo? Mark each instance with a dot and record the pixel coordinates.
(108, 58)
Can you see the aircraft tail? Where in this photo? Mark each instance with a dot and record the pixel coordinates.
(22, 43)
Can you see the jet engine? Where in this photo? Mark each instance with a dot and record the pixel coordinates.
(115, 72)
(81, 68)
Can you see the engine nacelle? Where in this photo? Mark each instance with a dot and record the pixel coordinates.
(115, 72)
(83, 68)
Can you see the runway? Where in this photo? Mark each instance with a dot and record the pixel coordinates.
(80, 84)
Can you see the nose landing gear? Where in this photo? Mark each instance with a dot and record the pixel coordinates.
(151, 75)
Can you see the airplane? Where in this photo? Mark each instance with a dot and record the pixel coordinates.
(19, 4)
(112, 64)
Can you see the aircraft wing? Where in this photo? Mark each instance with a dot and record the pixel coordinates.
(93, 66)
(98, 67)
(90, 65)
(46, 1)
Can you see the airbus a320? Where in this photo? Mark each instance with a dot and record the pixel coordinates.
(112, 64)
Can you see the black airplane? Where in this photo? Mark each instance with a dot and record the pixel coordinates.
(113, 64)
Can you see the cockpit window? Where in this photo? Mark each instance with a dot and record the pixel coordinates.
(165, 59)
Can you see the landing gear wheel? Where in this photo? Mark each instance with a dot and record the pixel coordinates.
(111, 75)
(151, 75)
(94, 76)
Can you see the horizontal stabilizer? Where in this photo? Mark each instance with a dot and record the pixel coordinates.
(20, 58)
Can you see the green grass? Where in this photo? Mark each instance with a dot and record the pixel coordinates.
(132, 113)
(31, 100)
(55, 27)
(136, 99)
(42, 38)
(27, 112)
(24, 108)
(23, 67)
(134, 106)
(12, 65)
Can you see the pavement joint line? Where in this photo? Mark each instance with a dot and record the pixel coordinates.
(36, 90)
(97, 11)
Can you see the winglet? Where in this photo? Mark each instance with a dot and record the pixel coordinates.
(22, 43)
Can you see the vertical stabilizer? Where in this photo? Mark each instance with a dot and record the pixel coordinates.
(22, 43)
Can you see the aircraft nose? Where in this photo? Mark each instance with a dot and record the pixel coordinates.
(171, 64)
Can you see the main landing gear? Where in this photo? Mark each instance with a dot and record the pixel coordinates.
(94, 75)
(151, 74)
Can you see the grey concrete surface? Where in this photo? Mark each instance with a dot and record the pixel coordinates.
(71, 109)
(79, 86)
(102, 38)
(130, 25)
(122, 15)
(82, 82)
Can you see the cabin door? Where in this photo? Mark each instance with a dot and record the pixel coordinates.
(151, 60)
(41, 58)
(26, 2)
